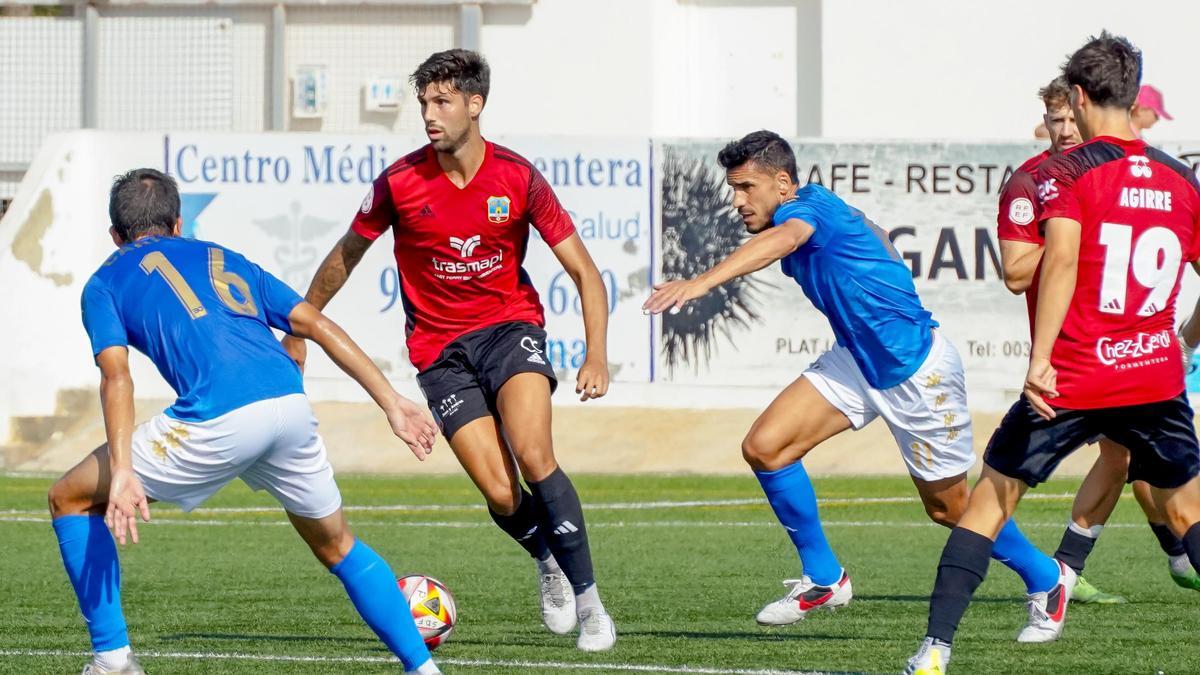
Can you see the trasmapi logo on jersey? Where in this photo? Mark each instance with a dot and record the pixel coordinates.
(1111, 352)
(498, 209)
(459, 270)
(465, 247)
(1139, 166)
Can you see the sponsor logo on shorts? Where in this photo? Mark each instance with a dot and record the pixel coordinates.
(1020, 211)
(530, 345)
(1133, 352)
(449, 406)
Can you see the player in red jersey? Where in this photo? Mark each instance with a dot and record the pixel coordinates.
(1021, 246)
(1121, 218)
(460, 210)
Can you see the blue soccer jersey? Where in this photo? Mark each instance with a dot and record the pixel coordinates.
(851, 272)
(203, 314)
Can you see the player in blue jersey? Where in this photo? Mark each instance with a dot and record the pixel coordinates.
(889, 362)
(204, 314)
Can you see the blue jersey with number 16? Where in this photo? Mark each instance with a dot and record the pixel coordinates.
(203, 314)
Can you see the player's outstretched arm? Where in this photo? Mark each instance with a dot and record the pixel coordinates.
(761, 250)
(1060, 263)
(335, 269)
(592, 381)
(410, 422)
(126, 497)
(1020, 260)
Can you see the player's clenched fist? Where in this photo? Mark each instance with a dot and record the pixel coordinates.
(674, 295)
(593, 379)
(1041, 382)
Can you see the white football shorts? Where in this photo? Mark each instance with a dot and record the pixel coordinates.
(927, 413)
(272, 445)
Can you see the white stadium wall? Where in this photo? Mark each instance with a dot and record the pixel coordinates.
(644, 209)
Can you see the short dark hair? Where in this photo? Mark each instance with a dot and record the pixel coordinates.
(765, 148)
(465, 70)
(1108, 68)
(143, 201)
(1055, 95)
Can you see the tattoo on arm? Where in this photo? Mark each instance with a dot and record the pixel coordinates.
(336, 269)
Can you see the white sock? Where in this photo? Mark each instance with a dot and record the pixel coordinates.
(113, 659)
(427, 668)
(1180, 565)
(1092, 532)
(588, 599)
(548, 566)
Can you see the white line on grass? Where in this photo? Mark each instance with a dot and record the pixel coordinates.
(469, 525)
(467, 663)
(614, 506)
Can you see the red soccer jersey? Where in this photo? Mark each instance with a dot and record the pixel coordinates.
(1139, 212)
(459, 250)
(1018, 217)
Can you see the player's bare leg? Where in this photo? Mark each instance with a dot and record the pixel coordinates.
(1183, 573)
(483, 452)
(524, 406)
(77, 504)
(797, 421)
(1094, 503)
(371, 585)
(1181, 570)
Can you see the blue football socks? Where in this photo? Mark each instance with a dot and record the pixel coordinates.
(371, 585)
(791, 495)
(1038, 570)
(90, 556)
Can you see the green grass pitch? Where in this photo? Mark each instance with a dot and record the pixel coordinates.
(224, 590)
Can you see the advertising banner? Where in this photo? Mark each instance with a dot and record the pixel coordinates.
(938, 203)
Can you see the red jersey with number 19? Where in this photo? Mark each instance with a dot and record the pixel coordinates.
(1139, 212)
(459, 250)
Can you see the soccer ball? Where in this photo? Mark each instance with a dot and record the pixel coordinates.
(432, 607)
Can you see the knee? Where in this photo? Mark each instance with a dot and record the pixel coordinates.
(764, 455)
(536, 463)
(943, 512)
(502, 497)
(60, 500)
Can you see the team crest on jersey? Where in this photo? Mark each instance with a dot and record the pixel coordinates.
(498, 209)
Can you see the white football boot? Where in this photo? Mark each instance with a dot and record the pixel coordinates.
(558, 600)
(596, 630)
(933, 658)
(1048, 610)
(132, 667)
(804, 597)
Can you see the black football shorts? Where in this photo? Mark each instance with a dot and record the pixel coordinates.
(1160, 436)
(462, 384)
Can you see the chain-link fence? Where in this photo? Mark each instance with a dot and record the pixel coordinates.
(226, 67)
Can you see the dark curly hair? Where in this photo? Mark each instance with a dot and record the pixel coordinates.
(1108, 68)
(463, 69)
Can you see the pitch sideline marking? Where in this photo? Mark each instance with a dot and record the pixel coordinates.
(469, 525)
(469, 663)
(614, 506)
